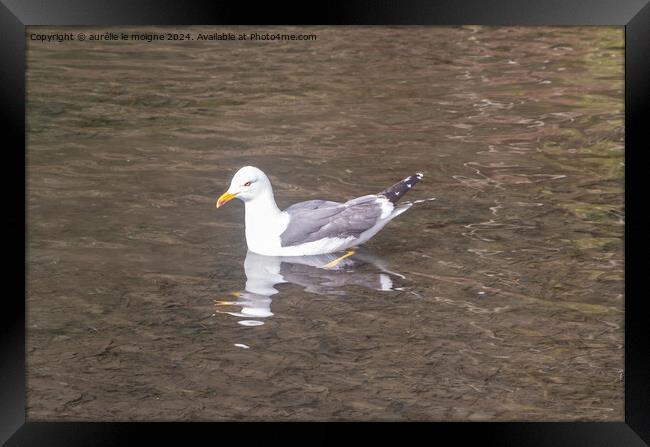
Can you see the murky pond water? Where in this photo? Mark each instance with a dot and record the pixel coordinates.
(500, 300)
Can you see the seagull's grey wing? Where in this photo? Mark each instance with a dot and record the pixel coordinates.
(310, 205)
(335, 220)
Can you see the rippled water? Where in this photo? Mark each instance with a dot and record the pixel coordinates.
(500, 300)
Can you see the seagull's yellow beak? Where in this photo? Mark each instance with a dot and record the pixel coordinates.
(225, 197)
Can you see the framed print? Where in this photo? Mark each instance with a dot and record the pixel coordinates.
(425, 213)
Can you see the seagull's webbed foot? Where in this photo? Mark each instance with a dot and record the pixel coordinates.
(334, 263)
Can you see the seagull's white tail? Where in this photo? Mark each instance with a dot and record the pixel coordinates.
(399, 209)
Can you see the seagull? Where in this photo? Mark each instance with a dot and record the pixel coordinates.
(313, 227)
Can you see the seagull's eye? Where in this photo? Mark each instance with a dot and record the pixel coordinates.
(247, 184)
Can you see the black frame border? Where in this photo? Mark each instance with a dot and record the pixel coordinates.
(634, 15)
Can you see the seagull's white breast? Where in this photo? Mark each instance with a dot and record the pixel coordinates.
(263, 230)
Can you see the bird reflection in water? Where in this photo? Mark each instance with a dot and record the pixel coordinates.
(323, 274)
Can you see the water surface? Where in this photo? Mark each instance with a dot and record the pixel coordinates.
(500, 300)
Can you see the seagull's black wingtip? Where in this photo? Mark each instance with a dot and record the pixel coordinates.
(395, 192)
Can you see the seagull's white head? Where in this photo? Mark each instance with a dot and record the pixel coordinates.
(248, 183)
